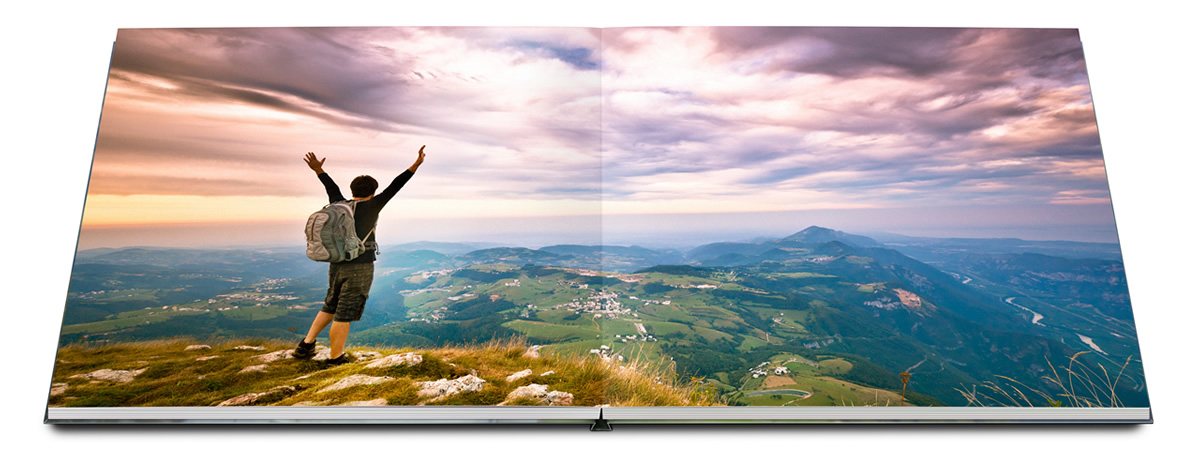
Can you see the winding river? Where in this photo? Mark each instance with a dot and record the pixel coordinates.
(1037, 317)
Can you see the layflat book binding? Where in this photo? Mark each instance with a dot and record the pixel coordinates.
(616, 225)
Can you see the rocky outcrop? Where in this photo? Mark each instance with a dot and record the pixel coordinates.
(206, 358)
(532, 351)
(110, 375)
(269, 396)
(355, 381)
(549, 372)
(58, 389)
(443, 388)
(541, 394)
(249, 348)
(197, 347)
(519, 375)
(396, 360)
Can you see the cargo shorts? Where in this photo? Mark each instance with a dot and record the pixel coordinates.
(349, 284)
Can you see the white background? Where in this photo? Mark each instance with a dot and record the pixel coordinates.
(1141, 59)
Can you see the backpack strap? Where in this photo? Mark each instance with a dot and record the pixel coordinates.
(367, 244)
(371, 244)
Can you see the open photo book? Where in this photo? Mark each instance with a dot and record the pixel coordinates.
(598, 225)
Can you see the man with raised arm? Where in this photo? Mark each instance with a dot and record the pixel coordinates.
(350, 281)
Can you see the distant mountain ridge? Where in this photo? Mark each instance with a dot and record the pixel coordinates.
(632, 258)
(815, 234)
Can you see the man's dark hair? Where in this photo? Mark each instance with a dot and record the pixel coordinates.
(363, 186)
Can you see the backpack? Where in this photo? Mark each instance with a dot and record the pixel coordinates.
(331, 236)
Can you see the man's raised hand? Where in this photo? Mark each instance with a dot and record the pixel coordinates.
(311, 160)
(420, 159)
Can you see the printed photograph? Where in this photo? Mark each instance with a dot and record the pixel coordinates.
(621, 217)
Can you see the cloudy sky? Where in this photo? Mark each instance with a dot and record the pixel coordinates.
(685, 134)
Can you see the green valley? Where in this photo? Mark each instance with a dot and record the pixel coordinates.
(819, 318)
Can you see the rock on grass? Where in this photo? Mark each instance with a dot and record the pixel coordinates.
(356, 380)
(110, 375)
(442, 388)
(255, 368)
(395, 360)
(269, 396)
(274, 356)
(322, 354)
(541, 394)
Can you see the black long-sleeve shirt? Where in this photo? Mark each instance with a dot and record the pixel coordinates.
(366, 213)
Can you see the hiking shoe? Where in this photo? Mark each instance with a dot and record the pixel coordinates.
(337, 361)
(305, 350)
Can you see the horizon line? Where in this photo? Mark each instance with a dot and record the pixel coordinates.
(495, 244)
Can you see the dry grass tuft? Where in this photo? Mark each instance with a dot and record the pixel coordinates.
(1077, 386)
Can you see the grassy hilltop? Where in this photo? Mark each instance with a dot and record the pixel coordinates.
(261, 372)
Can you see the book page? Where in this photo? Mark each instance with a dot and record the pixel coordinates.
(864, 217)
(216, 145)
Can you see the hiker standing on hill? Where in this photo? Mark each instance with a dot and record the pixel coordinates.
(350, 281)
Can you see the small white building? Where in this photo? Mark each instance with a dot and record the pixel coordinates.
(781, 370)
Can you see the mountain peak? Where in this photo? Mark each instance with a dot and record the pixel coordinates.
(816, 230)
(816, 234)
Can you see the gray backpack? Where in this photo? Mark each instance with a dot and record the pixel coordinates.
(331, 235)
